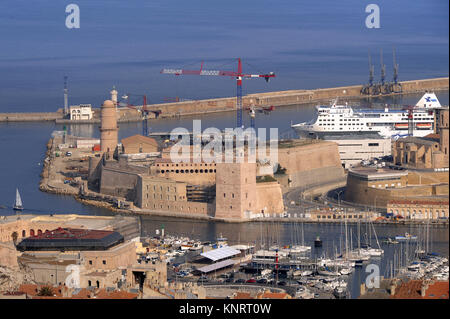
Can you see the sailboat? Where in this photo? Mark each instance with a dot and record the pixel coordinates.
(18, 202)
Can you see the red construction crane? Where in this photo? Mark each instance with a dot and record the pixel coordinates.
(239, 75)
(143, 109)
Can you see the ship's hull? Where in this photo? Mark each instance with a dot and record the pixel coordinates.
(308, 132)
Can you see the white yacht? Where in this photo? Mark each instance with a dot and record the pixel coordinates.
(389, 123)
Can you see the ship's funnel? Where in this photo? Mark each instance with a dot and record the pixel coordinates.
(429, 100)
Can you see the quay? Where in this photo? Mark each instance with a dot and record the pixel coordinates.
(196, 107)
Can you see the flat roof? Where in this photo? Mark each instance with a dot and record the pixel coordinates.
(71, 239)
(221, 253)
(373, 173)
(216, 266)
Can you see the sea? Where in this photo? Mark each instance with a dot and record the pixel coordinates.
(308, 44)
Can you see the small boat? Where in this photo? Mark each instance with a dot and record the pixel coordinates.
(346, 271)
(407, 236)
(318, 242)
(340, 293)
(18, 202)
(390, 241)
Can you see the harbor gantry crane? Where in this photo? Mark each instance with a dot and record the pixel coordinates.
(144, 109)
(239, 75)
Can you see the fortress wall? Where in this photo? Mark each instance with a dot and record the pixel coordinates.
(309, 164)
(182, 208)
(30, 117)
(427, 178)
(359, 192)
(114, 174)
(269, 198)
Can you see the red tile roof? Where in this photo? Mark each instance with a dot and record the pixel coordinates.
(71, 233)
(412, 290)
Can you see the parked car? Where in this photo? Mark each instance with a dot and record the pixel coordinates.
(251, 281)
(239, 281)
(229, 280)
(68, 153)
(262, 281)
(282, 283)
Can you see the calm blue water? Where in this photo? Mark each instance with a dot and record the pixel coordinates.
(308, 44)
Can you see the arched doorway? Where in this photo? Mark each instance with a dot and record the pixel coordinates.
(31, 232)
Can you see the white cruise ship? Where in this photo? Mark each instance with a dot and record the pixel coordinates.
(389, 123)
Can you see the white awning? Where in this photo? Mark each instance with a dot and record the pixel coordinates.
(216, 266)
(221, 253)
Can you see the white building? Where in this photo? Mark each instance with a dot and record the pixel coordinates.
(356, 148)
(81, 112)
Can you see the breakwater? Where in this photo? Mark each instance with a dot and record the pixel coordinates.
(278, 99)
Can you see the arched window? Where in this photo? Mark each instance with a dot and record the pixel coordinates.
(24, 233)
(31, 232)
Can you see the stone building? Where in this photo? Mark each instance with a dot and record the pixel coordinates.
(442, 116)
(427, 152)
(139, 144)
(91, 257)
(152, 191)
(418, 209)
(192, 173)
(418, 152)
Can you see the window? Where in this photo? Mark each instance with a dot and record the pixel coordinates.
(104, 262)
(373, 144)
(90, 262)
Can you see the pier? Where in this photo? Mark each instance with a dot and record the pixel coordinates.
(196, 107)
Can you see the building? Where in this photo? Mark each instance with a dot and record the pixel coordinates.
(376, 187)
(166, 195)
(81, 112)
(100, 258)
(324, 215)
(139, 144)
(87, 142)
(429, 152)
(420, 289)
(418, 152)
(69, 239)
(354, 149)
(235, 190)
(418, 209)
(109, 129)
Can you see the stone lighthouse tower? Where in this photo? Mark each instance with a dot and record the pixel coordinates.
(114, 94)
(108, 128)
